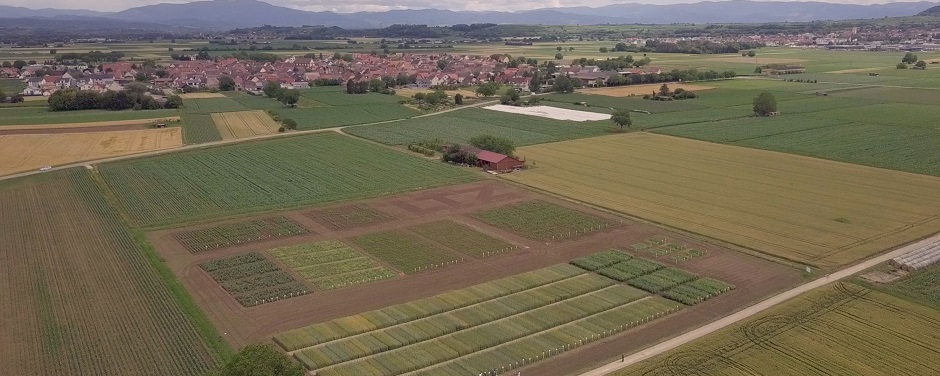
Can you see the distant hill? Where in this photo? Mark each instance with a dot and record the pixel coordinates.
(934, 11)
(228, 14)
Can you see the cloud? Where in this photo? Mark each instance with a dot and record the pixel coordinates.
(376, 5)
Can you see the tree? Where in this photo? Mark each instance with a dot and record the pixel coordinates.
(419, 96)
(289, 97)
(458, 99)
(441, 64)
(510, 97)
(603, 50)
(559, 56)
(226, 83)
(271, 89)
(19, 64)
(921, 65)
(535, 84)
(909, 58)
(488, 89)
(376, 85)
(622, 118)
(901, 66)
(3, 96)
(765, 104)
(289, 123)
(559, 48)
(751, 53)
(494, 144)
(620, 47)
(259, 360)
(16, 98)
(565, 84)
(173, 101)
(664, 91)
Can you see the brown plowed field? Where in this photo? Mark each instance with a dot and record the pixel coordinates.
(755, 278)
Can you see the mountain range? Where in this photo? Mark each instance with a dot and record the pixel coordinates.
(229, 14)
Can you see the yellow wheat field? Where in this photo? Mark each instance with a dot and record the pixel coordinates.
(808, 210)
(242, 124)
(113, 123)
(26, 152)
(626, 91)
(201, 95)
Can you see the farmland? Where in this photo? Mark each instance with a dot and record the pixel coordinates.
(253, 280)
(331, 264)
(199, 128)
(806, 210)
(853, 331)
(348, 216)
(242, 124)
(25, 152)
(641, 90)
(541, 220)
(461, 238)
(404, 250)
(460, 126)
(211, 105)
(481, 328)
(275, 174)
(81, 293)
(42, 115)
(229, 234)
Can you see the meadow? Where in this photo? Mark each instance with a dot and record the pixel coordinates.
(809, 211)
(258, 176)
(841, 329)
(77, 276)
(498, 325)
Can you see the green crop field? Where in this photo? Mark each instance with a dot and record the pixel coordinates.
(331, 264)
(230, 234)
(211, 105)
(624, 270)
(41, 115)
(199, 128)
(460, 126)
(601, 260)
(529, 316)
(253, 280)
(404, 250)
(328, 117)
(541, 220)
(265, 175)
(81, 296)
(664, 249)
(349, 216)
(842, 329)
(12, 86)
(461, 238)
(807, 210)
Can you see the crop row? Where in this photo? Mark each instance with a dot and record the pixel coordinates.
(239, 233)
(353, 278)
(404, 250)
(541, 220)
(279, 292)
(461, 238)
(527, 350)
(331, 264)
(464, 342)
(397, 314)
(307, 248)
(427, 328)
(630, 269)
(253, 279)
(661, 280)
(697, 291)
(600, 260)
(258, 282)
(309, 254)
(243, 271)
(350, 216)
(211, 266)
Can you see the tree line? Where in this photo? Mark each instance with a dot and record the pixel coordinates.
(131, 98)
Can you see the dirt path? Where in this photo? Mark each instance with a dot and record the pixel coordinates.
(752, 310)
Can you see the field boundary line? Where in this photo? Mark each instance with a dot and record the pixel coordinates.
(467, 306)
(752, 310)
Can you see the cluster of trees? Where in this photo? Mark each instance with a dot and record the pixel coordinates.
(435, 98)
(622, 118)
(286, 123)
(257, 360)
(374, 86)
(494, 144)
(673, 76)
(134, 96)
(698, 47)
(488, 89)
(564, 84)
(458, 155)
(15, 98)
(765, 104)
(664, 94)
(285, 96)
(910, 58)
(90, 56)
(618, 63)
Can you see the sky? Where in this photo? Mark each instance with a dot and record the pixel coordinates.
(346, 6)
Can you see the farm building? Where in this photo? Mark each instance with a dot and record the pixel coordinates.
(491, 161)
(919, 258)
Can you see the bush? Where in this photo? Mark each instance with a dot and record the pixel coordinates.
(494, 144)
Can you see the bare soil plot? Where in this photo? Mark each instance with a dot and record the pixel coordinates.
(242, 124)
(24, 152)
(807, 210)
(633, 90)
(550, 112)
(201, 95)
(79, 296)
(348, 216)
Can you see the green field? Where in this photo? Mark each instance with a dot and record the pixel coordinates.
(842, 329)
(328, 117)
(199, 128)
(230, 234)
(404, 250)
(12, 86)
(253, 280)
(541, 220)
(461, 238)
(477, 329)
(265, 175)
(331, 264)
(348, 216)
(211, 105)
(82, 296)
(41, 115)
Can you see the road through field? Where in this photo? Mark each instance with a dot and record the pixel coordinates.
(752, 310)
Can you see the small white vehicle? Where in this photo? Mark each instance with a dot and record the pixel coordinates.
(47, 168)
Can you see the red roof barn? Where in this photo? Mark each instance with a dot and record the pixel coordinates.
(491, 161)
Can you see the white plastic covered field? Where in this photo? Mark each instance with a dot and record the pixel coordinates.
(551, 112)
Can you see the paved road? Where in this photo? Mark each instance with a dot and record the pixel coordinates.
(752, 310)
